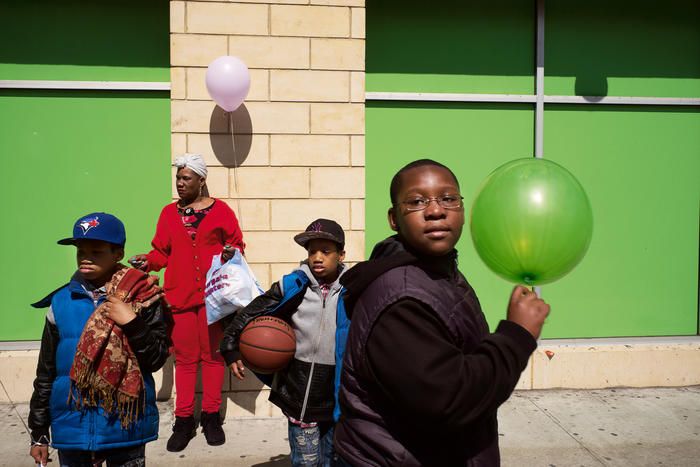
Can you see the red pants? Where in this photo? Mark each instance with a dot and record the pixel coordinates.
(197, 343)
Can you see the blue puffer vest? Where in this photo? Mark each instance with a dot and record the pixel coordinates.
(88, 430)
(364, 428)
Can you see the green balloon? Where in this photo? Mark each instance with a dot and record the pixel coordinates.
(531, 221)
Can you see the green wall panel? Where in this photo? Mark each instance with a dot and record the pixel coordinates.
(623, 48)
(640, 165)
(641, 169)
(472, 139)
(451, 46)
(66, 154)
(77, 40)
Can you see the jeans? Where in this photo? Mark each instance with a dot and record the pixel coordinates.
(120, 457)
(311, 447)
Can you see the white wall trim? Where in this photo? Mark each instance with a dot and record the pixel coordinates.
(447, 97)
(529, 98)
(87, 85)
(622, 100)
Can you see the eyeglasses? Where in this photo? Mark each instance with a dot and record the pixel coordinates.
(446, 201)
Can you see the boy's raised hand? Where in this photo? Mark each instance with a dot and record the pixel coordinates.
(527, 310)
(40, 454)
(238, 369)
(118, 311)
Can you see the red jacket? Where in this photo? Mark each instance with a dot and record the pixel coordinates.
(187, 261)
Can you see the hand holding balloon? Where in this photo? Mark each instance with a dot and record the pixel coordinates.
(527, 310)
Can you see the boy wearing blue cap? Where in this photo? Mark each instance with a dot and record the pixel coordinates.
(105, 333)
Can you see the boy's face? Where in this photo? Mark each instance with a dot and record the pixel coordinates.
(324, 258)
(97, 259)
(435, 230)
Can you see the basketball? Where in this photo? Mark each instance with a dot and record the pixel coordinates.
(267, 344)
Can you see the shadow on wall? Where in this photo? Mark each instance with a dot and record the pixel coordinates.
(592, 85)
(460, 46)
(231, 152)
(241, 393)
(626, 38)
(165, 392)
(50, 32)
(622, 39)
(451, 38)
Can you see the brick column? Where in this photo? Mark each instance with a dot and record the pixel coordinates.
(306, 120)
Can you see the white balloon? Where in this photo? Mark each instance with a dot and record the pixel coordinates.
(228, 82)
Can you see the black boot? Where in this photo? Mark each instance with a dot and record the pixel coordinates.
(211, 426)
(183, 431)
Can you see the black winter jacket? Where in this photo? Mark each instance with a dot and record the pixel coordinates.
(413, 391)
(304, 390)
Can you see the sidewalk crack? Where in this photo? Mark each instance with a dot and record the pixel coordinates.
(578, 441)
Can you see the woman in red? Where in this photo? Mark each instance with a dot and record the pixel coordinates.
(189, 232)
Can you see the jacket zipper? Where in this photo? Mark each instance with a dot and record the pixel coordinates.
(313, 360)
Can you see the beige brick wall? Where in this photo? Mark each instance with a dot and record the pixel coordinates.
(300, 134)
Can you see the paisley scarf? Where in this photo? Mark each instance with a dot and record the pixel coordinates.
(105, 372)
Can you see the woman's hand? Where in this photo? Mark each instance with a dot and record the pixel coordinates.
(227, 253)
(139, 262)
(40, 453)
(118, 311)
(238, 369)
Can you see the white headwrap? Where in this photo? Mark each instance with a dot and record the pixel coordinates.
(194, 162)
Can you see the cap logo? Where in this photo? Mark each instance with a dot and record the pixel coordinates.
(89, 223)
(315, 227)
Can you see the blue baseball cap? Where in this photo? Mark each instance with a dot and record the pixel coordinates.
(97, 226)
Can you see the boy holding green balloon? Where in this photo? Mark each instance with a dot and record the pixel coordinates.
(422, 376)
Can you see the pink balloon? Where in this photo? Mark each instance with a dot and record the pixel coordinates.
(228, 82)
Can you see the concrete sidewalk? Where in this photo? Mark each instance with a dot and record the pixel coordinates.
(609, 427)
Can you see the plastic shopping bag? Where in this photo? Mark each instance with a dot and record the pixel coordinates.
(230, 287)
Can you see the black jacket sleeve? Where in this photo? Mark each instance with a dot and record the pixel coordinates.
(411, 356)
(259, 306)
(148, 337)
(39, 416)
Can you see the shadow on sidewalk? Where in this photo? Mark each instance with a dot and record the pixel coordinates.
(281, 460)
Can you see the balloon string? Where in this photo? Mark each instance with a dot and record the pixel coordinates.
(235, 170)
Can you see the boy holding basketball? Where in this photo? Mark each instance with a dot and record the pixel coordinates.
(309, 299)
(422, 376)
